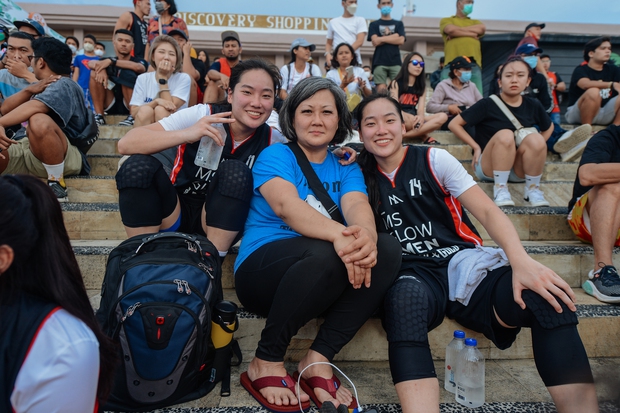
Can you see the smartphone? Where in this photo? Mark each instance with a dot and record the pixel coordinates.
(110, 85)
(350, 71)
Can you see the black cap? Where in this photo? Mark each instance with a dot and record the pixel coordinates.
(179, 32)
(460, 62)
(529, 26)
(32, 24)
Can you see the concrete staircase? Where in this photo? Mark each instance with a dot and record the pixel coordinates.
(93, 222)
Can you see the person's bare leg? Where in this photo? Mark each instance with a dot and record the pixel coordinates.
(280, 396)
(431, 124)
(144, 116)
(97, 92)
(574, 398)
(616, 120)
(589, 105)
(531, 156)
(604, 210)
(419, 396)
(4, 162)
(160, 113)
(212, 92)
(343, 395)
(47, 142)
(127, 92)
(500, 152)
(221, 238)
(165, 224)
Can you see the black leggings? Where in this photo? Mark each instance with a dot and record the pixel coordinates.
(412, 311)
(294, 280)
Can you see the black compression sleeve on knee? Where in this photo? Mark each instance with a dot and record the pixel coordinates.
(560, 356)
(411, 360)
(146, 199)
(228, 201)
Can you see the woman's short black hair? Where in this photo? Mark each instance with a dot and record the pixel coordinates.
(304, 90)
(354, 61)
(173, 7)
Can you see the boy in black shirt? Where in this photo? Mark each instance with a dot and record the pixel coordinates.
(593, 92)
(593, 210)
(386, 35)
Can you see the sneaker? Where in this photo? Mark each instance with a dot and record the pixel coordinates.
(501, 196)
(59, 190)
(127, 122)
(575, 152)
(572, 138)
(535, 197)
(604, 284)
(99, 119)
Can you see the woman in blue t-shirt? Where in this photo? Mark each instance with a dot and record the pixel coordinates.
(296, 263)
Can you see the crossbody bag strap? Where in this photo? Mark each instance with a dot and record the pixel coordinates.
(315, 183)
(506, 111)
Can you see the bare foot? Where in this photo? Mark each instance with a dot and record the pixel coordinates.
(279, 396)
(343, 395)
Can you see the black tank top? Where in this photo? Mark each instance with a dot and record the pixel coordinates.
(190, 179)
(421, 214)
(139, 30)
(26, 312)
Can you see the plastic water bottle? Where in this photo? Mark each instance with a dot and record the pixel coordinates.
(470, 375)
(452, 352)
(209, 153)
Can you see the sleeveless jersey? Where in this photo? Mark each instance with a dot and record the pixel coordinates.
(139, 31)
(224, 66)
(27, 314)
(427, 221)
(190, 179)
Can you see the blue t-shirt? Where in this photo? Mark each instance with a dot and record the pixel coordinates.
(277, 161)
(81, 62)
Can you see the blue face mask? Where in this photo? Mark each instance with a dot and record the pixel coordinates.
(465, 76)
(531, 60)
(386, 10)
(467, 9)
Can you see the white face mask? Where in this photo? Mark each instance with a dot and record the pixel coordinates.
(99, 52)
(352, 8)
(89, 47)
(73, 48)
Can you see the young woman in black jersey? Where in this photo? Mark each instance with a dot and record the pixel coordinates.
(409, 88)
(418, 194)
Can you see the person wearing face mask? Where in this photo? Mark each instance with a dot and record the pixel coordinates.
(81, 68)
(348, 28)
(99, 49)
(386, 34)
(74, 45)
(532, 34)
(461, 37)
(456, 94)
(164, 22)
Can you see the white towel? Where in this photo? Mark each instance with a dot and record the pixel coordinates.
(468, 268)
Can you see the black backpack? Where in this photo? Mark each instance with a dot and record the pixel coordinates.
(157, 300)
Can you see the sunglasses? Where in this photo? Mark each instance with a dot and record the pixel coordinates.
(417, 63)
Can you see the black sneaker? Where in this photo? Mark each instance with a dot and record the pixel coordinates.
(59, 190)
(99, 119)
(604, 284)
(127, 122)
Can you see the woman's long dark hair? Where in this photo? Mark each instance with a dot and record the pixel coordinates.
(402, 78)
(354, 61)
(44, 265)
(367, 161)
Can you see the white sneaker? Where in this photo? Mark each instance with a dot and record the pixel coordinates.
(574, 152)
(572, 138)
(501, 196)
(535, 197)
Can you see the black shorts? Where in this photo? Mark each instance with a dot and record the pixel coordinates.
(191, 212)
(478, 314)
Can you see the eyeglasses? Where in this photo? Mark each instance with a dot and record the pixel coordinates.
(417, 63)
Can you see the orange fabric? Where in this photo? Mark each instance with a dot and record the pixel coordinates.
(224, 66)
(578, 225)
(554, 93)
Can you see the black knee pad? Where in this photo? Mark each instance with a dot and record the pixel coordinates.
(407, 311)
(545, 314)
(137, 172)
(411, 361)
(234, 180)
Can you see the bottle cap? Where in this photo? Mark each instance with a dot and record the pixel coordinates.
(471, 342)
(226, 311)
(459, 334)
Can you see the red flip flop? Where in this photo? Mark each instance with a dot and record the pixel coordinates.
(330, 386)
(287, 381)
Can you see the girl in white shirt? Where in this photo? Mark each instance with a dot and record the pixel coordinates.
(162, 92)
(344, 56)
(298, 68)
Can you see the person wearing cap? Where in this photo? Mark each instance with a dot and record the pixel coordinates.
(456, 94)
(461, 37)
(348, 28)
(135, 22)
(386, 35)
(298, 68)
(195, 68)
(219, 72)
(531, 35)
(164, 21)
(30, 26)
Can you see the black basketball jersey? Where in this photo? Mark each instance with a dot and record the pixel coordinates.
(427, 221)
(190, 179)
(140, 36)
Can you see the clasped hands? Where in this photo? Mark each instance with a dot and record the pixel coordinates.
(357, 248)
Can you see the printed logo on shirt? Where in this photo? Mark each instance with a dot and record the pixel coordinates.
(147, 100)
(387, 30)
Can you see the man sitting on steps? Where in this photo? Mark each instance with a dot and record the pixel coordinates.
(594, 211)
